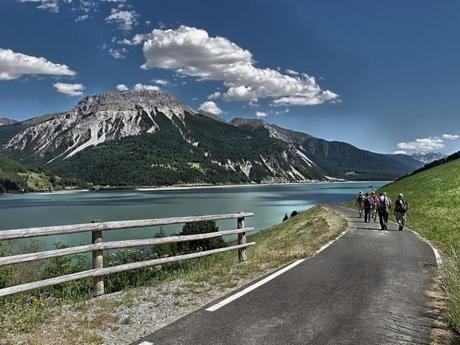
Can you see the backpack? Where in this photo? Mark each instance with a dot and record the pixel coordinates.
(401, 206)
(383, 205)
(368, 203)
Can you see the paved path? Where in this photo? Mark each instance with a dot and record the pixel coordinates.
(368, 288)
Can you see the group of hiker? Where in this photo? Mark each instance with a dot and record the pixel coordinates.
(371, 206)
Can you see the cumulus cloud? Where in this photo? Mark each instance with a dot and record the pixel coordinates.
(400, 152)
(210, 107)
(451, 136)
(122, 87)
(191, 52)
(14, 65)
(139, 86)
(125, 19)
(422, 145)
(70, 89)
(261, 114)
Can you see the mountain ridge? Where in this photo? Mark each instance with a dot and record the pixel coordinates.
(151, 138)
(5, 121)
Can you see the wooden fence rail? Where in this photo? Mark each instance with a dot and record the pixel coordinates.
(98, 246)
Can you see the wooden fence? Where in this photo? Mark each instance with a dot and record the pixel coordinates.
(97, 247)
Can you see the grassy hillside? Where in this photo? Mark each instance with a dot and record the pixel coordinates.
(11, 175)
(15, 177)
(434, 199)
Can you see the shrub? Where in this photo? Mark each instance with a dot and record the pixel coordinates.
(201, 228)
(7, 273)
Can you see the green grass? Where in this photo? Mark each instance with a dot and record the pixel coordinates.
(298, 237)
(434, 199)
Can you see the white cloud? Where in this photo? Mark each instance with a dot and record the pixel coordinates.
(451, 136)
(278, 112)
(210, 107)
(292, 72)
(136, 40)
(79, 7)
(125, 20)
(70, 89)
(118, 53)
(215, 95)
(81, 18)
(422, 145)
(400, 152)
(46, 5)
(160, 81)
(14, 65)
(122, 87)
(261, 114)
(139, 86)
(190, 51)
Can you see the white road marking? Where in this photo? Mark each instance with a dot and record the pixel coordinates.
(146, 343)
(435, 251)
(254, 286)
(267, 279)
(329, 243)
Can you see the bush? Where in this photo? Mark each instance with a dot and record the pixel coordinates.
(62, 266)
(285, 218)
(7, 273)
(294, 213)
(195, 228)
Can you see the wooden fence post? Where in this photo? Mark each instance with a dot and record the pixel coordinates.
(242, 252)
(98, 262)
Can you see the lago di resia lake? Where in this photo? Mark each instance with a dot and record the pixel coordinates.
(269, 202)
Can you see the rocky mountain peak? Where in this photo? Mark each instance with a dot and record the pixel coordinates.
(97, 119)
(128, 100)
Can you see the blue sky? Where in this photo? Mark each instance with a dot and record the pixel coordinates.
(385, 73)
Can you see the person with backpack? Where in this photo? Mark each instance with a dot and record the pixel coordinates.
(368, 205)
(360, 204)
(384, 207)
(375, 201)
(401, 207)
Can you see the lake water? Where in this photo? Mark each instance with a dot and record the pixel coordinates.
(269, 202)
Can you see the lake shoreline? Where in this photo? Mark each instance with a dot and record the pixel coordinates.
(188, 187)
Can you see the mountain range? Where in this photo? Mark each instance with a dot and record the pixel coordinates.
(428, 157)
(127, 138)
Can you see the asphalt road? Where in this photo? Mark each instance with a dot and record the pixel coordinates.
(368, 287)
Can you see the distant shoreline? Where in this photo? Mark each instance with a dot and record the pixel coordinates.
(189, 187)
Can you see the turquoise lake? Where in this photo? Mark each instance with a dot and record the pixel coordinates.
(269, 202)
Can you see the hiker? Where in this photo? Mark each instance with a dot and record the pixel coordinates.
(401, 207)
(384, 207)
(375, 200)
(368, 205)
(360, 204)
